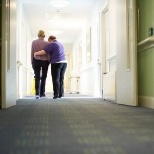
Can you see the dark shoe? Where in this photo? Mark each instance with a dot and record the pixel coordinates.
(37, 97)
(60, 96)
(55, 97)
(43, 95)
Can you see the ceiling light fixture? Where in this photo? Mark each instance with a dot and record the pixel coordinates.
(59, 3)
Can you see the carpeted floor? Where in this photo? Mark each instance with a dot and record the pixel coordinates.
(75, 126)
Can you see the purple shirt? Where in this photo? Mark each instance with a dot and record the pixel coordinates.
(56, 51)
(37, 45)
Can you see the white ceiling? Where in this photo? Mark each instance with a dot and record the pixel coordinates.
(42, 15)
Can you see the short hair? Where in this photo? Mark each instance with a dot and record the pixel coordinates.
(52, 37)
(41, 33)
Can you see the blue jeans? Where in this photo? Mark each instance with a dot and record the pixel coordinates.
(57, 73)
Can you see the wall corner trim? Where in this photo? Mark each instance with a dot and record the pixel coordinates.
(146, 101)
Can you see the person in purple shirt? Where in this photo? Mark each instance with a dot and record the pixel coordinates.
(40, 64)
(58, 65)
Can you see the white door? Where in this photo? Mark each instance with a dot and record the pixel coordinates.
(126, 72)
(119, 53)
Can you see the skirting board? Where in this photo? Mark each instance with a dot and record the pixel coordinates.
(146, 101)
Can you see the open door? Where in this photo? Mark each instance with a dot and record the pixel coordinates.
(8, 54)
(126, 47)
(119, 52)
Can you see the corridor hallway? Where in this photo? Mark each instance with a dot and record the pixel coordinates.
(74, 125)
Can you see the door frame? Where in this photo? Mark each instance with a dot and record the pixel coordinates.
(107, 76)
(102, 44)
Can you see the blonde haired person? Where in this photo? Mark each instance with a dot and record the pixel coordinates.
(40, 64)
(58, 65)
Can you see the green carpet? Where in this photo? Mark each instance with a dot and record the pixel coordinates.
(75, 126)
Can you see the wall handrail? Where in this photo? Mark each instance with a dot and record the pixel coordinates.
(20, 64)
(146, 44)
(111, 58)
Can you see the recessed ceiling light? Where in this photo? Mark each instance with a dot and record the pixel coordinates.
(59, 3)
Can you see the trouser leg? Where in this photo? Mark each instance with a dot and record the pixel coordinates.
(43, 77)
(37, 79)
(55, 73)
(62, 73)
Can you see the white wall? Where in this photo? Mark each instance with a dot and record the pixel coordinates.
(68, 50)
(24, 69)
(112, 26)
(89, 72)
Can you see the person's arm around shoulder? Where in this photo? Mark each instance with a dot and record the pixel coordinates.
(42, 52)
